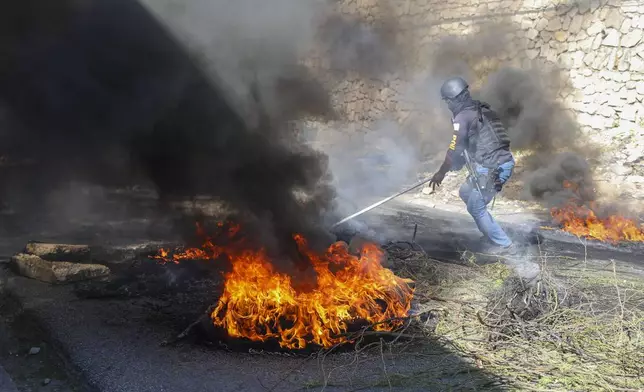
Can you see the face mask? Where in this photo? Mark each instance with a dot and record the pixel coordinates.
(452, 104)
(457, 103)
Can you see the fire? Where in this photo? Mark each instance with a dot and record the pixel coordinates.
(582, 221)
(187, 254)
(259, 303)
(195, 253)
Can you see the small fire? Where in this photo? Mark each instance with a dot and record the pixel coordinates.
(582, 221)
(186, 254)
(195, 253)
(259, 303)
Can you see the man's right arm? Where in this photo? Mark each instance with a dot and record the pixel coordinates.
(453, 157)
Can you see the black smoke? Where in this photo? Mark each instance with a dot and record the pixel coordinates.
(98, 91)
(555, 150)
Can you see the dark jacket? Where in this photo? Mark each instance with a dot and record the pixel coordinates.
(478, 129)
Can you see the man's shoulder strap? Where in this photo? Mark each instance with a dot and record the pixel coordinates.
(492, 120)
(486, 112)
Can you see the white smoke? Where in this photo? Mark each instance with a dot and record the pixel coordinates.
(367, 165)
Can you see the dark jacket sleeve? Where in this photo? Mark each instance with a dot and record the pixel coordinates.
(454, 158)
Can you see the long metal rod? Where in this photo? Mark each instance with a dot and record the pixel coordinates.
(383, 201)
(470, 168)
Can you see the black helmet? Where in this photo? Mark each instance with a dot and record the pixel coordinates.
(453, 87)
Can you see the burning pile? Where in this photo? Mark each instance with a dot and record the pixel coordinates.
(582, 220)
(258, 303)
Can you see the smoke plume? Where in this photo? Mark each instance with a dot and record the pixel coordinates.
(99, 92)
(556, 150)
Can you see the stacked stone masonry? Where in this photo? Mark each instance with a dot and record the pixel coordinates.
(599, 43)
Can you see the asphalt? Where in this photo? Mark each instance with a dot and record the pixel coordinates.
(6, 383)
(116, 343)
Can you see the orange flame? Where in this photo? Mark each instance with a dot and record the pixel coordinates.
(259, 303)
(187, 254)
(582, 221)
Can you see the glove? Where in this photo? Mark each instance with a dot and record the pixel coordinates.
(437, 179)
(498, 183)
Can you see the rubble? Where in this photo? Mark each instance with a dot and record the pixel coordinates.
(56, 272)
(58, 263)
(59, 252)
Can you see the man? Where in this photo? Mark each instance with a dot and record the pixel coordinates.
(479, 131)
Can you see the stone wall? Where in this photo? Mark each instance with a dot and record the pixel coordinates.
(597, 44)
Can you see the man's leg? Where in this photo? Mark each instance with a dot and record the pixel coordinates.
(477, 207)
(464, 193)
